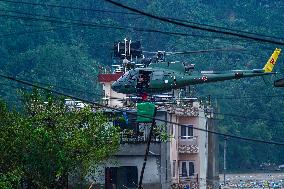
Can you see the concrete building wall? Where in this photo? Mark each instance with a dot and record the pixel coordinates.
(138, 149)
(112, 95)
(159, 168)
(213, 149)
(200, 159)
(174, 132)
(203, 149)
(152, 172)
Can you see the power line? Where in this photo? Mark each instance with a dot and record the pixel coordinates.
(224, 28)
(164, 19)
(230, 115)
(12, 86)
(84, 92)
(129, 13)
(52, 86)
(249, 117)
(90, 93)
(69, 7)
(121, 110)
(57, 87)
(248, 97)
(35, 31)
(92, 24)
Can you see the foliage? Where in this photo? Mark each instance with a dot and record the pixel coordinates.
(55, 141)
(11, 143)
(161, 132)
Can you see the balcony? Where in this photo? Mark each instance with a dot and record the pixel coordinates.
(188, 145)
(134, 143)
(140, 137)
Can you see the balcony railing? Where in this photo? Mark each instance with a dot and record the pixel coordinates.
(188, 144)
(186, 178)
(128, 137)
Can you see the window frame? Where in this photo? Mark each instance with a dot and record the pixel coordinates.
(189, 134)
(187, 168)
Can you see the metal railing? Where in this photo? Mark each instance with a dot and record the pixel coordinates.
(138, 137)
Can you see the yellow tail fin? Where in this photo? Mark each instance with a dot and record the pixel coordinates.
(272, 61)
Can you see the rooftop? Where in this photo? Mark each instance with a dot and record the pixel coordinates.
(109, 77)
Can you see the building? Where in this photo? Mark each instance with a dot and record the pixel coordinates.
(111, 98)
(184, 159)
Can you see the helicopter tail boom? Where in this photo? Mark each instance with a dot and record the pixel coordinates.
(272, 61)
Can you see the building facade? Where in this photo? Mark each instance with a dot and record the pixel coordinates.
(182, 159)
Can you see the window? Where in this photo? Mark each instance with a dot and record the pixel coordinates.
(190, 168)
(186, 132)
(174, 168)
(186, 168)
(183, 169)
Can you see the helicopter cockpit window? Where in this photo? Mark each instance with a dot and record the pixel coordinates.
(132, 75)
(129, 78)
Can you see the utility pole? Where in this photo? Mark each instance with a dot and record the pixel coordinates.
(225, 153)
(146, 154)
(147, 150)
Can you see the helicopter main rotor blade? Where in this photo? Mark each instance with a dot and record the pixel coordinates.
(205, 51)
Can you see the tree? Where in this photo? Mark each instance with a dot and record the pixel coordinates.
(10, 147)
(59, 140)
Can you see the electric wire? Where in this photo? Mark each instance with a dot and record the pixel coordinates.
(35, 31)
(93, 24)
(246, 97)
(164, 19)
(101, 26)
(12, 86)
(68, 7)
(90, 93)
(130, 13)
(123, 110)
(224, 28)
(249, 117)
(49, 85)
(225, 114)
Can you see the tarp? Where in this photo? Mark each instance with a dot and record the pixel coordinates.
(146, 109)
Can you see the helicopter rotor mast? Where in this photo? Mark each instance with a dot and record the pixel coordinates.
(124, 53)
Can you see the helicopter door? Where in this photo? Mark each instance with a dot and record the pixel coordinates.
(169, 79)
(156, 79)
(143, 79)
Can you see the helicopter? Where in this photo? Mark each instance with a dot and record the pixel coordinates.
(161, 77)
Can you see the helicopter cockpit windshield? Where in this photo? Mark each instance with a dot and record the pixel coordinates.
(129, 78)
(132, 81)
(126, 83)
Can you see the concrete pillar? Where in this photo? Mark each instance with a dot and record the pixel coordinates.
(213, 148)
